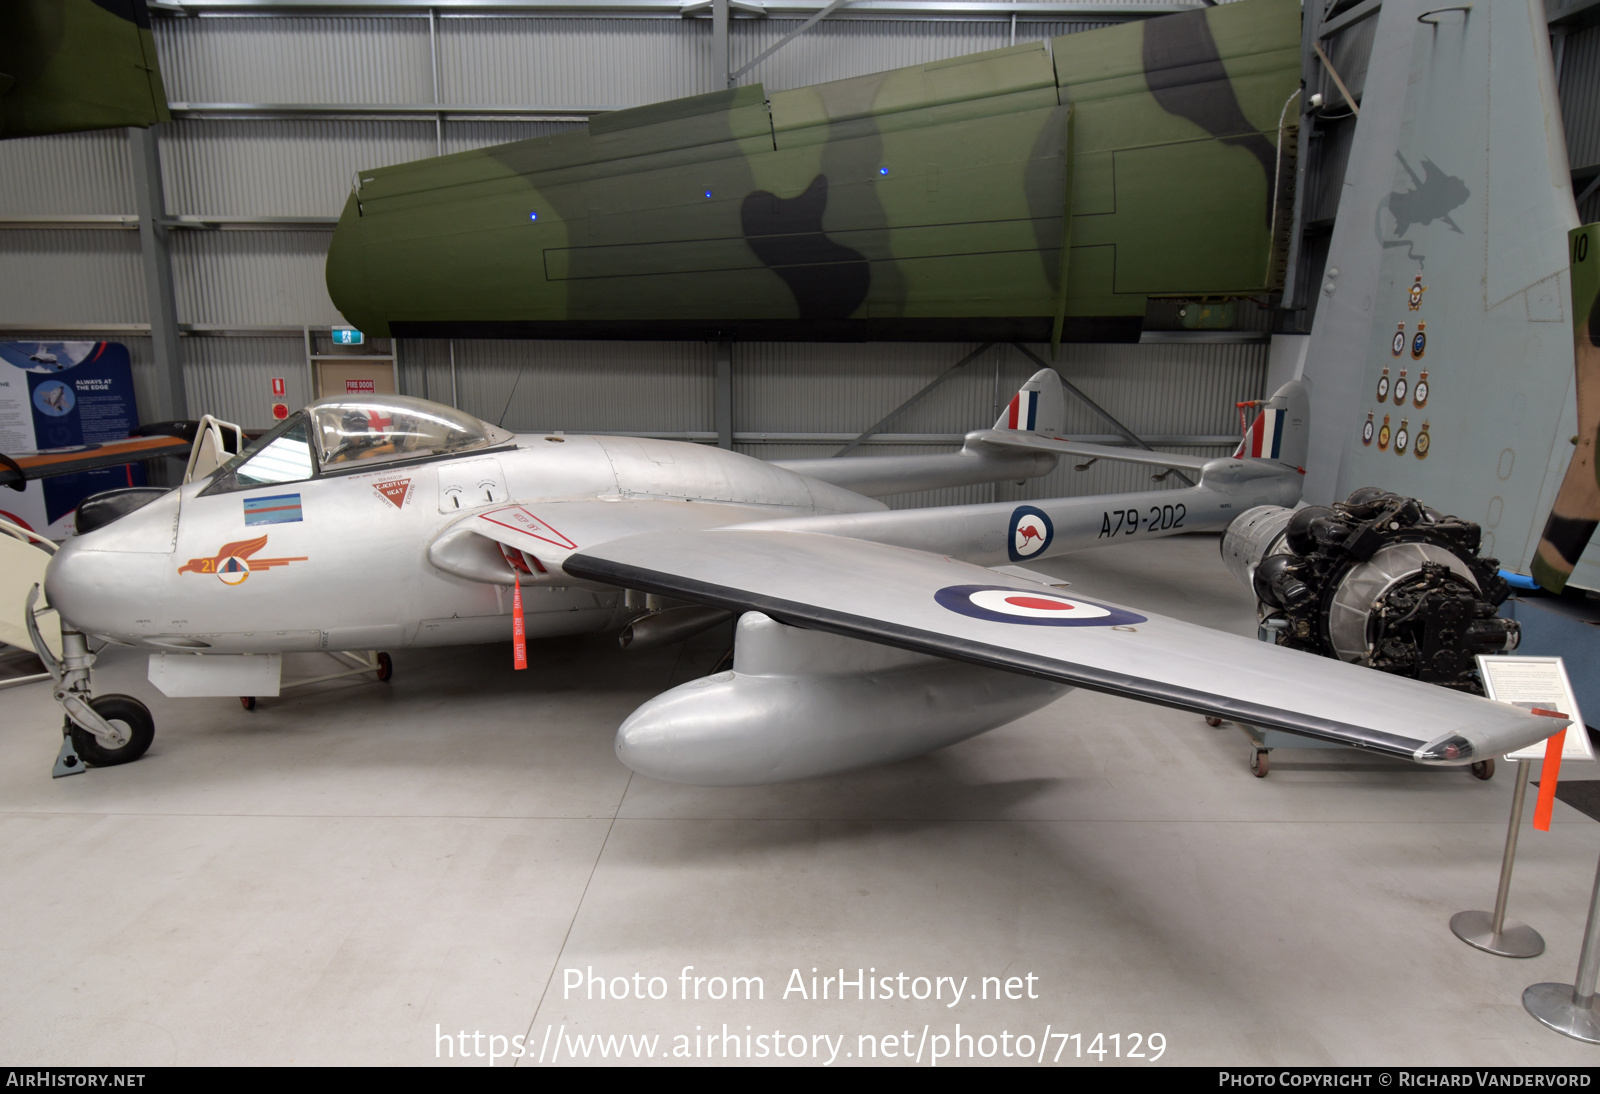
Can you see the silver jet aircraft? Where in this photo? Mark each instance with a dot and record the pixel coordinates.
(864, 635)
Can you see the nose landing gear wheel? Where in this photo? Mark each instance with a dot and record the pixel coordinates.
(1483, 769)
(125, 713)
(1259, 763)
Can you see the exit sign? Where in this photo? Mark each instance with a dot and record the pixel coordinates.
(348, 336)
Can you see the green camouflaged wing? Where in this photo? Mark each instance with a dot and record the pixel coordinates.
(67, 65)
(920, 203)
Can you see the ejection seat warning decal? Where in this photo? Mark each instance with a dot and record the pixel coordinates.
(395, 491)
(518, 519)
(277, 509)
(233, 562)
(1034, 608)
(1031, 532)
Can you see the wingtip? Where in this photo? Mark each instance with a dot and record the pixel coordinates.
(1469, 744)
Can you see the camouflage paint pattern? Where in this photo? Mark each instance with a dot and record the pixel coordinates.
(1576, 511)
(67, 65)
(920, 203)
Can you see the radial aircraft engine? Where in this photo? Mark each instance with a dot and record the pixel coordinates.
(864, 635)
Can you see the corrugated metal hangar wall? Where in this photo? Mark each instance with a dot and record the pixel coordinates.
(277, 104)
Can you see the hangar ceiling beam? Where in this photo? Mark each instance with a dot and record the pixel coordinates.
(397, 111)
(172, 401)
(833, 6)
(1349, 17)
(915, 399)
(925, 9)
(720, 55)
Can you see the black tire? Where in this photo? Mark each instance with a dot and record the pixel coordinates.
(133, 715)
(248, 702)
(385, 668)
(1483, 769)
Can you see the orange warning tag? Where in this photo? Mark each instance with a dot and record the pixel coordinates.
(519, 633)
(1548, 774)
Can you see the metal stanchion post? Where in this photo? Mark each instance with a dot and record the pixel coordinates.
(1569, 1008)
(1489, 931)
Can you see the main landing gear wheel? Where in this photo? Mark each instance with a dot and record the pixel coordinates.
(248, 702)
(125, 713)
(385, 668)
(1483, 769)
(1260, 764)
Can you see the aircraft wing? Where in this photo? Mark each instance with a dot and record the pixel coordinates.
(1010, 438)
(931, 604)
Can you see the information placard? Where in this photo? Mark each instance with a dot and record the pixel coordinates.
(64, 396)
(1541, 682)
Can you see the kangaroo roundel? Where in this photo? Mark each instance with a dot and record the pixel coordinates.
(1031, 533)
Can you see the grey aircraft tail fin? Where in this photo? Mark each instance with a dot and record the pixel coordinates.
(1039, 406)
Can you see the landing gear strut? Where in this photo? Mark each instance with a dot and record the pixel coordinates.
(113, 729)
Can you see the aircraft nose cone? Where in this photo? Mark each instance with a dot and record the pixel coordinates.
(110, 582)
(79, 583)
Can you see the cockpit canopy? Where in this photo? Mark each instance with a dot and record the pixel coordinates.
(355, 432)
(384, 428)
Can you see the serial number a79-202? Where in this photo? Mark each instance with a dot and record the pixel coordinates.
(1127, 522)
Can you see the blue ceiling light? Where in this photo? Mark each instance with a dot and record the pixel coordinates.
(533, 216)
(883, 170)
(708, 193)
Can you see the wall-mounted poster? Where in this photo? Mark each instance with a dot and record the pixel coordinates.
(62, 396)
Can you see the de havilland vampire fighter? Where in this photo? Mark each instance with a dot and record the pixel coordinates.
(864, 635)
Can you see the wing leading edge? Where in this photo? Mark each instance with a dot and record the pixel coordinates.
(936, 605)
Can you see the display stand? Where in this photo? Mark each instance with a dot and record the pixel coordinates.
(1541, 684)
(1569, 1008)
(1489, 931)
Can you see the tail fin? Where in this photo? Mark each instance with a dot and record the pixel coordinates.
(1040, 406)
(1282, 428)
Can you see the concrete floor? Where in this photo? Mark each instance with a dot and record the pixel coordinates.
(348, 870)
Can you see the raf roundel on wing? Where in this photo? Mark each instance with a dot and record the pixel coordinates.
(1037, 608)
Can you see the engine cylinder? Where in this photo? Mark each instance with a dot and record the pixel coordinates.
(1377, 579)
(1253, 535)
